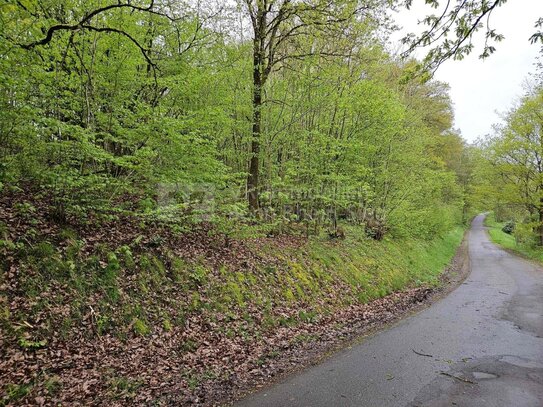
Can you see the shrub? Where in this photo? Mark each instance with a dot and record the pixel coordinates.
(524, 234)
(509, 227)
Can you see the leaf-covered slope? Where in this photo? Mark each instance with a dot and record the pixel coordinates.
(127, 311)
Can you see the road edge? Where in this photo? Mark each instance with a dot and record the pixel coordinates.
(453, 275)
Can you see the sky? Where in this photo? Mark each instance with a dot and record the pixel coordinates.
(482, 90)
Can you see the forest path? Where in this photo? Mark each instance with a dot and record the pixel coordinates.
(482, 345)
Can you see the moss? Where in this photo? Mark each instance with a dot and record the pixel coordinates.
(166, 324)
(299, 272)
(235, 293)
(140, 327)
(331, 275)
(299, 292)
(15, 392)
(289, 295)
(372, 269)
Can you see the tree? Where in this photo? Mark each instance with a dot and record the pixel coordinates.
(275, 23)
(517, 157)
(173, 112)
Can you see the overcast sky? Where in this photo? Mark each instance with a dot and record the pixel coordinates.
(483, 89)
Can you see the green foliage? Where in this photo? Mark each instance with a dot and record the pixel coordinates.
(510, 171)
(123, 387)
(198, 274)
(361, 140)
(309, 316)
(235, 293)
(167, 325)
(526, 235)
(52, 384)
(15, 392)
(27, 344)
(358, 149)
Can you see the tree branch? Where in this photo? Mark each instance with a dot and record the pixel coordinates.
(83, 23)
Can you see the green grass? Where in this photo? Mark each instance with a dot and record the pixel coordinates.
(375, 269)
(509, 242)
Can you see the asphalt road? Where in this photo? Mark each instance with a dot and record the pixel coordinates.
(483, 345)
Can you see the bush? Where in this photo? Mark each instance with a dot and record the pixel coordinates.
(509, 227)
(375, 228)
(524, 234)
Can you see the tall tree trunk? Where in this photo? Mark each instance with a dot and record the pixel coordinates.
(258, 83)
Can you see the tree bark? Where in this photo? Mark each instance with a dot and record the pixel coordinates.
(252, 180)
(258, 83)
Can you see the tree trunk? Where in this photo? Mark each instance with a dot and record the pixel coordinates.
(258, 82)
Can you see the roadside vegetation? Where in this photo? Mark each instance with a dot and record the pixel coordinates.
(205, 307)
(503, 233)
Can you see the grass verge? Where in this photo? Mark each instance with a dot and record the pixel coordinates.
(508, 241)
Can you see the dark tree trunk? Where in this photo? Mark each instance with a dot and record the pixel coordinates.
(258, 83)
(252, 179)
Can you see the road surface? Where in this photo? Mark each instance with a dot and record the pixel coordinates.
(482, 345)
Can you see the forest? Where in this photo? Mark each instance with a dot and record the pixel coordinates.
(216, 185)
